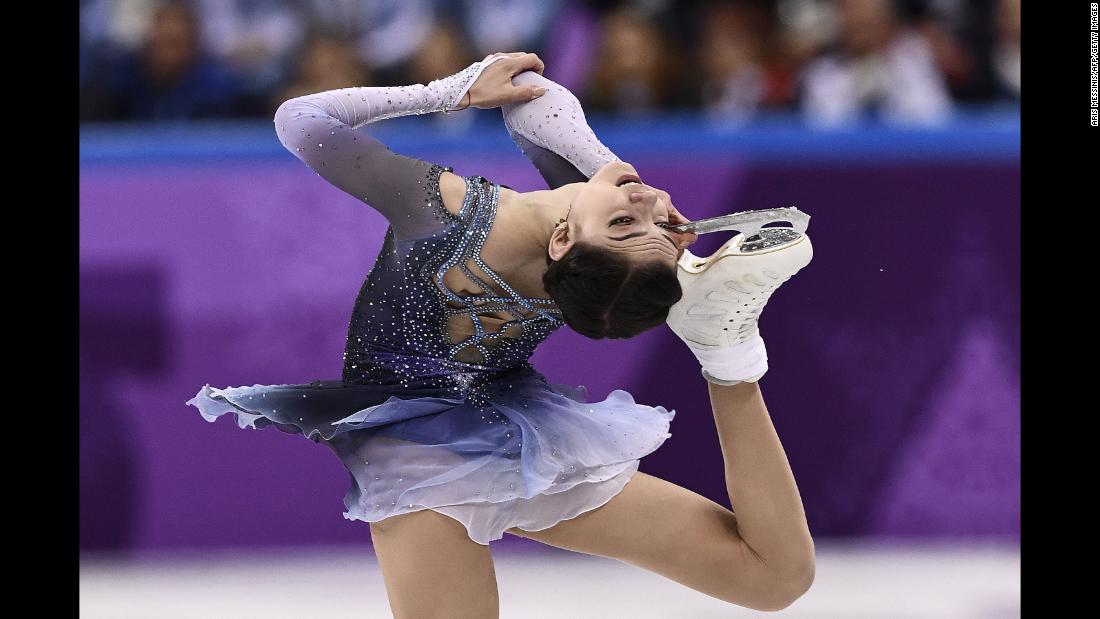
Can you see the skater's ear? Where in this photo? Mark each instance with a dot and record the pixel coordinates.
(561, 241)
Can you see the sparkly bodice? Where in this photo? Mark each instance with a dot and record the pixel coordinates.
(431, 316)
(409, 327)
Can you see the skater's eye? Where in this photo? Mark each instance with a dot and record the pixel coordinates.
(623, 219)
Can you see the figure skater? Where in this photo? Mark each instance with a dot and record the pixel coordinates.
(452, 438)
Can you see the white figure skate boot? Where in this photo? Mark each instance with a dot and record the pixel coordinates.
(724, 295)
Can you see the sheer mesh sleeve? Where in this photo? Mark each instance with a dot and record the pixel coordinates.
(323, 131)
(552, 132)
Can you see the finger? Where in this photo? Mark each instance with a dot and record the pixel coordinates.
(517, 54)
(539, 64)
(683, 239)
(527, 93)
(679, 216)
(528, 62)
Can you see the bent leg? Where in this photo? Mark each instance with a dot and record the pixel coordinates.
(432, 568)
(762, 558)
(668, 530)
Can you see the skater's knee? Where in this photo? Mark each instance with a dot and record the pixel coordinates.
(785, 587)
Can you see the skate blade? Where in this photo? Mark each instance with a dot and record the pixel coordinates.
(768, 240)
(748, 222)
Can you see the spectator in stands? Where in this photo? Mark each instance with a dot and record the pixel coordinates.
(169, 77)
(878, 69)
(327, 62)
(109, 31)
(255, 39)
(385, 33)
(515, 24)
(1006, 49)
(119, 23)
(959, 33)
(730, 50)
(93, 40)
(635, 70)
(445, 52)
(97, 54)
(806, 29)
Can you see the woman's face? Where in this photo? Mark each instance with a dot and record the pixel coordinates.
(616, 211)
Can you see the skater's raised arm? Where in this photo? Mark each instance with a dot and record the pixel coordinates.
(553, 133)
(322, 130)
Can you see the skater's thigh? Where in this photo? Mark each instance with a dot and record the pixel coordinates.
(670, 530)
(432, 568)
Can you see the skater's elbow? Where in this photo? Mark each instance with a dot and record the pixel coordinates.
(285, 113)
(284, 123)
(293, 121)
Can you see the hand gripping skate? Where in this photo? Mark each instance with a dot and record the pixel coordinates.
(724, 293)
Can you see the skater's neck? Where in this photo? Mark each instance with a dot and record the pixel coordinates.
(530, 218)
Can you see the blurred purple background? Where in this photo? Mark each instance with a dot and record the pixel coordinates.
(209, 255)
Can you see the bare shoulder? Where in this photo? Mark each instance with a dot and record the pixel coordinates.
(453, 189)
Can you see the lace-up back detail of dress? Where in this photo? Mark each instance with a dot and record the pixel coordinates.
(433, 314)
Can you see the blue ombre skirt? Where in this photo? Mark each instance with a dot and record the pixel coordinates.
(535, 455)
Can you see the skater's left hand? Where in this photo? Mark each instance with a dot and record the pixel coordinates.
(494, 87)
(675, 218)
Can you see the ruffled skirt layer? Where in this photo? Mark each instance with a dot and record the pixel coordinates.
(535, 455)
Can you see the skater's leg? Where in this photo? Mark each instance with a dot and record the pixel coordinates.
(761, 558)
(432, 568)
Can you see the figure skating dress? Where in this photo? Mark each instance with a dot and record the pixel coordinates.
(438, 406)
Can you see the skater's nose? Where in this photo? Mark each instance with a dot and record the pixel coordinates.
(646, 196)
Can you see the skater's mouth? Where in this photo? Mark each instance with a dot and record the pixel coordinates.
(627, 179)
